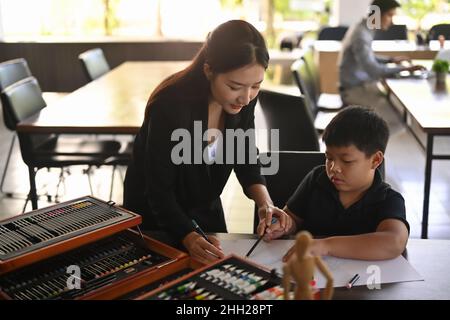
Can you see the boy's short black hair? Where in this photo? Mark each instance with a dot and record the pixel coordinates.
(385, 5)
(358, 126)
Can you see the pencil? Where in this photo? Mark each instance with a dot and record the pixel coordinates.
(274, 220)
(254, 246)
(200, 231)
(352, 281)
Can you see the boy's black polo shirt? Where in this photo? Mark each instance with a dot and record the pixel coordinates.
(316, 201)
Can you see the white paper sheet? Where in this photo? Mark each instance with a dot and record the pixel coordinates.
(370, 272)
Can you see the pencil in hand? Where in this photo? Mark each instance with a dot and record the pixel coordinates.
(274, 220)
(200, 231)
(204, 236)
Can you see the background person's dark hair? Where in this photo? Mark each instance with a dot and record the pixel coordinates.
(230, 46)
(358, 126)
(385, 5)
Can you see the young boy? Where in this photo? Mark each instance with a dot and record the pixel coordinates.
(346, 201)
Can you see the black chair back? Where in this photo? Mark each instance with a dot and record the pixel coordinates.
(20, 101)
(332, 33)
(291, 117)
(437, 30)
(12, 71)
(23, 99)
(395, 32)
(293, 167)
(313, 70)
(306, 84)
(291, 41)
(94, 63)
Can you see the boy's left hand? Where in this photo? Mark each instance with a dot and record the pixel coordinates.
(318, 247)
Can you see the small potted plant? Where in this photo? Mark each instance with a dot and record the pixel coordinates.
(441, 68)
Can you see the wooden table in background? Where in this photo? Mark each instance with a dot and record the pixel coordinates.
(426, 110)
(327, 57)
(114, 103)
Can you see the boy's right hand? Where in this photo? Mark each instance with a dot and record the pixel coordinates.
(202, 250)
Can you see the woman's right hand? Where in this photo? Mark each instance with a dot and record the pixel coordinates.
(202, 250)
(273, 230)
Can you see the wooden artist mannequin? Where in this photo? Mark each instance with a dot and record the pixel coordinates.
(301, 268)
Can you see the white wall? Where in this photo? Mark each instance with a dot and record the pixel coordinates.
(1, 23)
(348, 12)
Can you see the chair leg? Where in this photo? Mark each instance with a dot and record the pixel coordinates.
(121, 175)
(25, 204)
(88, 172)
(64, 182)
(112, 183)
(60, 180)
(33, 195)
(7, 162)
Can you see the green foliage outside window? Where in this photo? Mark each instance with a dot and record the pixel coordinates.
(418, 9)
(110, 21)
(283, 7)
(231, 3)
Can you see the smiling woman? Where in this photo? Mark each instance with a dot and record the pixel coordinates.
(235, 89)
(215, 94)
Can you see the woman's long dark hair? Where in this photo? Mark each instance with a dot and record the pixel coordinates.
(230, 46)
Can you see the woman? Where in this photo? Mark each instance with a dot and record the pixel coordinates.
(166, 184)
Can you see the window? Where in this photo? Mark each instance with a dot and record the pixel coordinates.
(423, 14)
(33, 19)
(174, 19)
(77, 18)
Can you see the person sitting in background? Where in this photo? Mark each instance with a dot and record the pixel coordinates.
(360, 69)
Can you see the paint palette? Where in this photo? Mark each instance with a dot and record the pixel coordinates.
(230, 278)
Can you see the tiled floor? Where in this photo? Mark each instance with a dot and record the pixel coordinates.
(405, 163)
